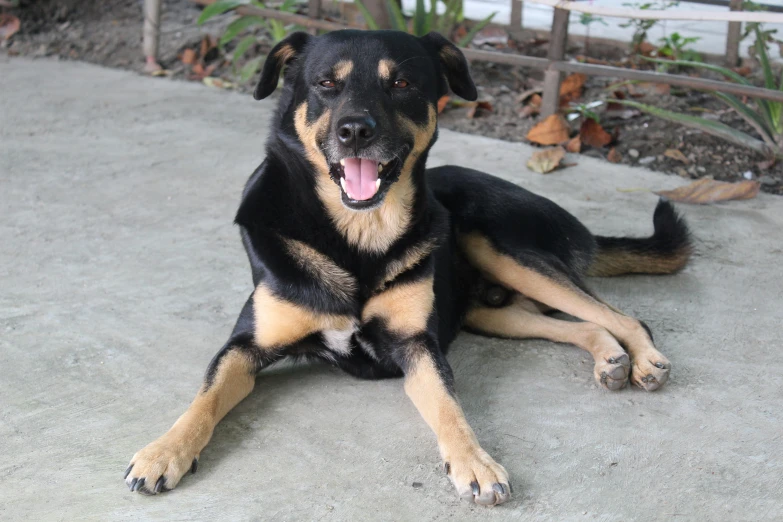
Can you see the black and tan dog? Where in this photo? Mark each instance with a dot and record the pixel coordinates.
(363, 258)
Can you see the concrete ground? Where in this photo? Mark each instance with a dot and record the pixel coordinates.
(121, 274)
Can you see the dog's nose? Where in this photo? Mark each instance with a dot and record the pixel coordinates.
(356, 131)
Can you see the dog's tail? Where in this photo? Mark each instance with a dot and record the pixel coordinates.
(666, 251)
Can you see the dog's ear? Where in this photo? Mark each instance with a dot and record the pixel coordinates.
(281, 54)
(453, 65)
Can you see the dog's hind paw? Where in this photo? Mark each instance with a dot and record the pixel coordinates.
(612, 372)
(159, 467)
(650, 373)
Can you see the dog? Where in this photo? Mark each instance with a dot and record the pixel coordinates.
(363, 258)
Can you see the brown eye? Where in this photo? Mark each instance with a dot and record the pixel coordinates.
(400, 84)
(329, 84)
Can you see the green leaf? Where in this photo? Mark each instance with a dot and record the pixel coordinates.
(242, 47)
(219, 7)
(237, 26)
(465, 40)
(420, 19)
(289, 6)
(769, 79)
(250, 68)
(714, 128)
(755, 120)
(431, 17)
(369, 20)
(395, 13)
(714, 68)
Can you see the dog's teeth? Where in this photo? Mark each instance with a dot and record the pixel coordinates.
(342, 163)
(380, 167)
(342, 184)
(377, 184)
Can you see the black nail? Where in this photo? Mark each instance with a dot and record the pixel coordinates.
(659, 365)
(447, 467)
(127, 471)
(510, 488)
(139, 484)
(160, 484)
(499, 488)
(194, 466)
(475, 487)
(133, 484)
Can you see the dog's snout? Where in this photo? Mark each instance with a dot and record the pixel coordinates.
(356, 131)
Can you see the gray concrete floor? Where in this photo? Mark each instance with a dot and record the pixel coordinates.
(122, 274)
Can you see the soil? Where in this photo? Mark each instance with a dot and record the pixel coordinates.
(109, 33)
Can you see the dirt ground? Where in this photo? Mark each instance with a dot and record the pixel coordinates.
(109, 33)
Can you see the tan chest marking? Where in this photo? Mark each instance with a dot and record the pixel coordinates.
(412, 257)
(405, 308)
(337, 281)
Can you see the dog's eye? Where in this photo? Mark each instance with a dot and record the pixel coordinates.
(400, 84)
(329, 84)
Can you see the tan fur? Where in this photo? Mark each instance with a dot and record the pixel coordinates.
(412, 257)
(385, 68)
(450, 55)
(405, 307)
(173, 453)
(342, 69)
(373, 230)
(617, 262)
(563, 295)
(285, 53)
(281, 323)
(466, 460)
(338, 281)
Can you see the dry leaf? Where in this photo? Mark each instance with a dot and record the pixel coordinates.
(708, 190)
(442, 102)
(646, 48)
(536, 101)
(593, 134)
(188, 56)
(545, 161)
(766, 165)
(676, 154)
(586, 59)
(574, 145)
(471, 112)
(217, 83)
(614, 156)
(551, 131)
(528, 93)
(527, 111)
(571, 88)
(9, 24)
(743, 71)
(161, 72)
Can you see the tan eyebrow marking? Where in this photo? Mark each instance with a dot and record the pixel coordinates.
(385, 68)
(342, 69)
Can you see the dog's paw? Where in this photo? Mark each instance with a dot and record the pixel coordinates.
(159, 466)
(612, 371)
(650, 372)
(478, 477)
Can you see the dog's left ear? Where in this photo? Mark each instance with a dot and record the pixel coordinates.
(453, 65)
(281, 54)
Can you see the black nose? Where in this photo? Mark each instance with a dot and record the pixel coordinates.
(356, 131)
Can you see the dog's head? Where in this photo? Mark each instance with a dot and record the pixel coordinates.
(363, 103)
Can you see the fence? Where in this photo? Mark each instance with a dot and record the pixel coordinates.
(554, 64)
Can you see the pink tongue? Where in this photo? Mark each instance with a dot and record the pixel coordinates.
(361, 176)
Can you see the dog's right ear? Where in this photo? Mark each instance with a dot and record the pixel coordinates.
(281, 54)
(453, 64)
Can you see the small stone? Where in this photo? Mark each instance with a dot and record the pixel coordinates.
(768, 181)
(647, 160)
(747, 174)
(633, 153)
(682, 172)
(417, 485)
(701, 169)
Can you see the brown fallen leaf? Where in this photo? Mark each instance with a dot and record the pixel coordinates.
(707, 190)
(646, 48)
(767, 164)
(676, 154)
(528, 93)
(574, 145)
(9, 24)
(552, 130)
(547, 160)
(594, 61)
(743, 71)
(571, 88)
(188, 56)
(217, 83)
(442, 102)
(593, 134)
(614, 156)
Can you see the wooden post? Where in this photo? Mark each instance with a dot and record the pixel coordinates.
(314, 12)
(557, 47)
(379, 12)
(151, 34)
(733, 37)
(516, 16)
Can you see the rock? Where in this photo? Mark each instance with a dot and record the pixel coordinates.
(701, 169)
(633, 153)
(647, 160)
(768, 181)
(747, 174)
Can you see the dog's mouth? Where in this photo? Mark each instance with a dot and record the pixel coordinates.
(364, 181)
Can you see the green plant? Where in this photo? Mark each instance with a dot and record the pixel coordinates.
(767, 36)
(584, 111)
(424, 20)
(640, 26)
(675, 46)
(277, 30)
(587, 19)
(765, 116)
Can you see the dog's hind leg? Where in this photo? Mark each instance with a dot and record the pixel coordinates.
(541, 280)
(521, 319)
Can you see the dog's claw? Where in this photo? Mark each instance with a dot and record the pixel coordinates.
(194, 466)
(132, 485)
(127, 471)
(160, 485)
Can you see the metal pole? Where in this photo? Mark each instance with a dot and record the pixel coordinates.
(557, 47)
(733, 36)
(151, 34)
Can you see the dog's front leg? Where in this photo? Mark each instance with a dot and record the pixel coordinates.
(477, 477)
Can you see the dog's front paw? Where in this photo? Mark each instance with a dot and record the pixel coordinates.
(160, 466)
(650, 371)
(478, 477)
